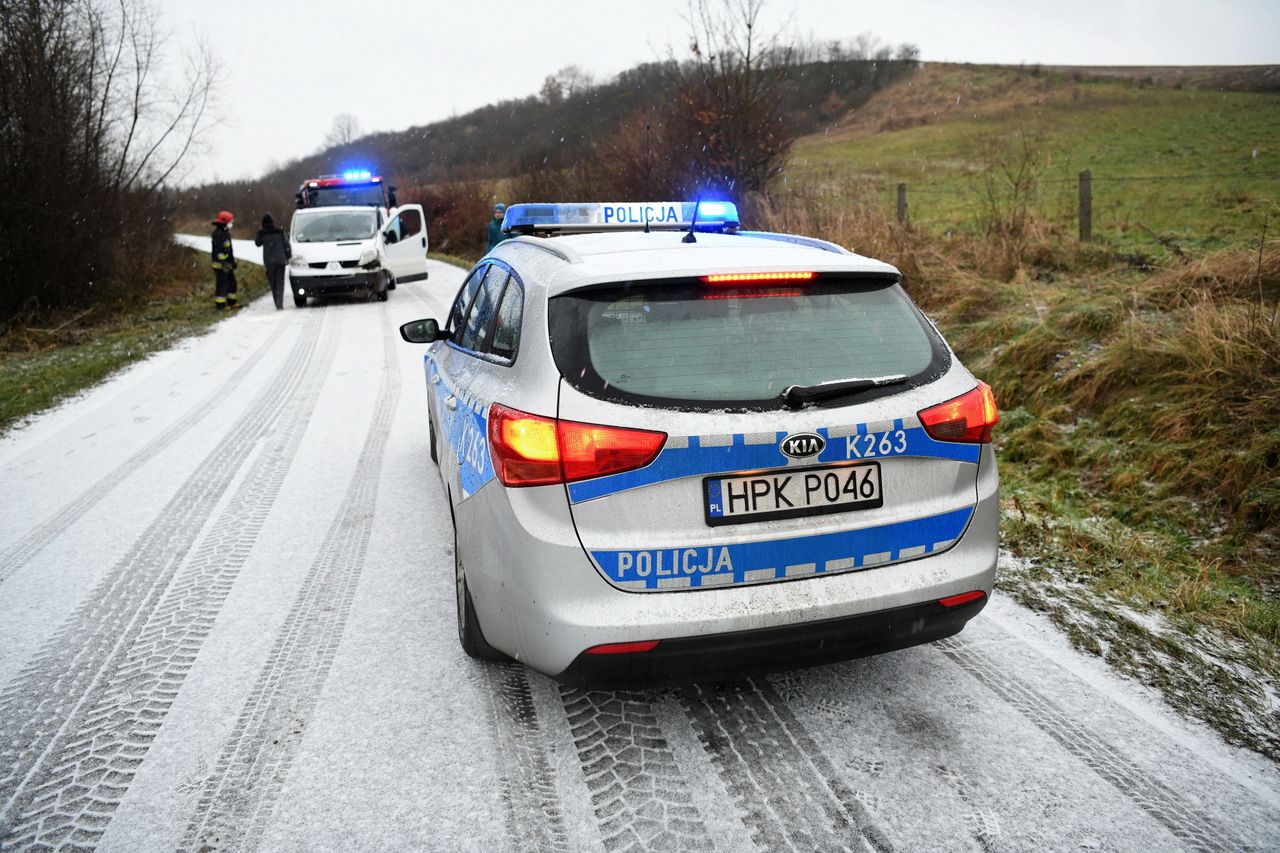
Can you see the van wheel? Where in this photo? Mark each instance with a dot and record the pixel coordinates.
(299, 301)
(469, 634)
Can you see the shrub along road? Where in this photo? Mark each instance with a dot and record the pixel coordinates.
(226, 621)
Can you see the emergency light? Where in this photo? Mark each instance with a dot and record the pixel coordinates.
(357, 175)
(621, 216)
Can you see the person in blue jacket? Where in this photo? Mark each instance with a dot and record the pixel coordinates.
(495, 226)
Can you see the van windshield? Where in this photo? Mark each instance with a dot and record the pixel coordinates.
(333, 226)
(686, 344)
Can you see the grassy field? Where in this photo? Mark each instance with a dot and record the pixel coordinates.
(1138, 375)
(41, 367)
(1210, 159)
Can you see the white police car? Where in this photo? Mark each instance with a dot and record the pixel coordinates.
(674, 449)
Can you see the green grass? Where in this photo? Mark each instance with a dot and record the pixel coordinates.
(40, 369)
(1112, 128)
(456, 261)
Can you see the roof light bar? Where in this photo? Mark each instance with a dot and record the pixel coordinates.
(754, 277)
(357, 175)
(621, 216)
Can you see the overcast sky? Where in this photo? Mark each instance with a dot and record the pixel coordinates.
(290, 66)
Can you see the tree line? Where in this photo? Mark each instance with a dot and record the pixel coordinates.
(96, 119)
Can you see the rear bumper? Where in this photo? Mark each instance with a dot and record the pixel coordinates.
(332, 285)
(739, 653)
(541, 600)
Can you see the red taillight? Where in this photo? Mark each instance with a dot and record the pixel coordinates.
(962, 598)
(969, 417)
(622, 648)
(531, 450)
(756, 277)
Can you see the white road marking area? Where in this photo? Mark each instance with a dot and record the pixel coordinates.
(227, 622)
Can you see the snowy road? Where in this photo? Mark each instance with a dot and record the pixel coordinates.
(227, 622)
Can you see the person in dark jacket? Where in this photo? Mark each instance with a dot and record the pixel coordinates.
(224, 263)
(275, 256)
(495, 225)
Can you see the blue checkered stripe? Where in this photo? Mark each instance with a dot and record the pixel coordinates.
(692, 456)
(703, 566)
(468, 433)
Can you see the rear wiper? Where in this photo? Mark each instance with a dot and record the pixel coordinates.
(797, 395)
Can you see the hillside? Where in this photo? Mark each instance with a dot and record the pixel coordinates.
(1186, 167)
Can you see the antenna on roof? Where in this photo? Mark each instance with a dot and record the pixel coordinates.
(689, 238)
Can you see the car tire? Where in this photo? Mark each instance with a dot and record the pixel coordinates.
(299, 301)
(470, 637)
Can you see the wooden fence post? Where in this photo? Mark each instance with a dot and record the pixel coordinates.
(902, 203)
(1086, 206)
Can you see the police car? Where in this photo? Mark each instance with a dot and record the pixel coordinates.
(346, 240)
(675, 449)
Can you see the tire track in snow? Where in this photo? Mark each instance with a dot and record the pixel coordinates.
(78, 720)
(21, 552)
(638, 793)
(1189, 824)
(237, 799)
(788, 792)
(534, 816)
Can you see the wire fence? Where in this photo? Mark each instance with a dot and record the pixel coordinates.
(1108, 200)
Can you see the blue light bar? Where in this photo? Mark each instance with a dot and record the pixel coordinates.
(357, 175)
(621, 216)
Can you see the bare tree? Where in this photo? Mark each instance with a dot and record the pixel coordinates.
(95, 118)
(344, 131)
(730, 104)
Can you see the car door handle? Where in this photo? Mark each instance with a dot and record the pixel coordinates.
(451, 401)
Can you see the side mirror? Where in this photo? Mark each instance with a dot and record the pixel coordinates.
(388, 236)
(299, 201)
(421, 331)
(391, 196)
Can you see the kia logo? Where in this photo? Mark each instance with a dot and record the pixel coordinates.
(802, 444)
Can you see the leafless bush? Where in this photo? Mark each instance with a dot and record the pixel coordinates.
(94, 120)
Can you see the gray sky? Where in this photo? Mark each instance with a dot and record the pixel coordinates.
(291, 65)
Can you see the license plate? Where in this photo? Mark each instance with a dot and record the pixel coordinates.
(792, 493)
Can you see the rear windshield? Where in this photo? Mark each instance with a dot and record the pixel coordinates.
(686, 344)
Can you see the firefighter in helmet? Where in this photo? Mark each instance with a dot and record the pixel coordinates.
(224, 263)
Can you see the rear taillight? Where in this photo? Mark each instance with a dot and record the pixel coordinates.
(969, 417)
(531, 450)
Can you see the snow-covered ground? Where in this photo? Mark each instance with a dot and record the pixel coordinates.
(244, 250)
(227, 621)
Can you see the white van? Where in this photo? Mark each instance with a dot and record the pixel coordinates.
(356, 249)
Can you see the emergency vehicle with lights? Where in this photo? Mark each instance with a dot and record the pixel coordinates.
(348, 236)
(675, 449)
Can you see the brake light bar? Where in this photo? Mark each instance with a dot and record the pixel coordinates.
(969, 418)
(756, 277)
(532, 450)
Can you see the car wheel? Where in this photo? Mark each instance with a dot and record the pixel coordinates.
(299, 301)
(469, 634)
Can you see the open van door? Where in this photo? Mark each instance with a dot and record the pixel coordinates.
(404, 243)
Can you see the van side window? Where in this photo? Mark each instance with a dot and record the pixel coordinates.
(477, 328)
(506, 329)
